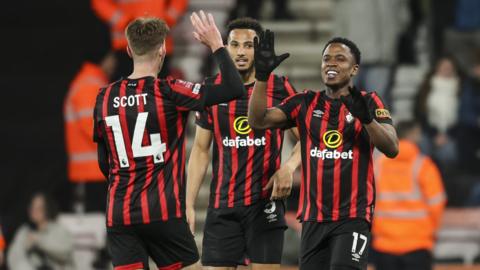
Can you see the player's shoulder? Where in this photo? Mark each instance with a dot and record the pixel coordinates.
(370, 94)
(305, 96)
(277, 78)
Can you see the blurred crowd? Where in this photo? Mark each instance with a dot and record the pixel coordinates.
(440, 38)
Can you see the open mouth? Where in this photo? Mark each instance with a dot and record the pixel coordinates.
(241, 61)
(331, 74)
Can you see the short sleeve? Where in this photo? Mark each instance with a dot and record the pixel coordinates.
(204, 119)
(283, 88)
(291, 107)
(378, 109)
(186, 95)
(288, 87)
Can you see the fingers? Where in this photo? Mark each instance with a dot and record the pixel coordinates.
(255, 43)
(197, 36)
(211, 20)
(200, 21)
(282, 57)
(204, 19)
(271, 40)
(197, 22)
(268, 37)
(281, 191)
(269, 184)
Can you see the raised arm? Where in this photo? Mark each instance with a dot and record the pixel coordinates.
(259, 116)
(231, 86)
(197, 168)
(382, 135)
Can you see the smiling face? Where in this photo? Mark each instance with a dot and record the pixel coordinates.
(338, 66)
(240, 48)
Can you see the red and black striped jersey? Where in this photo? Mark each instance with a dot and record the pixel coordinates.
(142, 123)
(338, 180)
(244, 159)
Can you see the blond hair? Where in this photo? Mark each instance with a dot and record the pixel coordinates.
(144, 35)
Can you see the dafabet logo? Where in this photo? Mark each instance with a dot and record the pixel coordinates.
(332, 139)
(241, 127)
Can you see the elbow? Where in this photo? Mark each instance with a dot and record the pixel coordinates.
(393, 152)
(254, 123)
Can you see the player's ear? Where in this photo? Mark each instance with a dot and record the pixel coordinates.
(354, 70)
(163, 49)
(129, 51)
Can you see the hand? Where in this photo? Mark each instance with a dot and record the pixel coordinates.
(190, 213)
(32, 240)
(357, 105)
(206, 31)
(265, 58)
(282, 182)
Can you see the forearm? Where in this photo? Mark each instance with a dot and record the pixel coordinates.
(197, 168)
(384, 140)
(257, 108)
(231, 86)
(295, 158)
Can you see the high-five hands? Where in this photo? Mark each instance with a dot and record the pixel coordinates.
(356, 103)
(265, 58)
(206, 31)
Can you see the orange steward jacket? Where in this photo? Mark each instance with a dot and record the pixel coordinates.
(410, 202)
(118, 13)
(78, 116)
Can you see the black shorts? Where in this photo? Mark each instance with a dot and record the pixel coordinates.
(335, 245)
(233, 236)
(170, 244)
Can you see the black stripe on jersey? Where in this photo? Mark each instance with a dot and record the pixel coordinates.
(346, 174)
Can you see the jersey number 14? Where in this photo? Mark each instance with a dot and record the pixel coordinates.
(155, 149)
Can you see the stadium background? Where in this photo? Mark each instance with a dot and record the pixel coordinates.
(43, 45)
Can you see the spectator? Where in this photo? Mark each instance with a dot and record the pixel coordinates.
(119, 13)
(410, 195)
(83, 172)
(41, 243)
(377, 33)
(437, 107)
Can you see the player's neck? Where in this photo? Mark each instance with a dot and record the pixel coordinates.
(248, 77)
(336, 93)
(144, 69)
